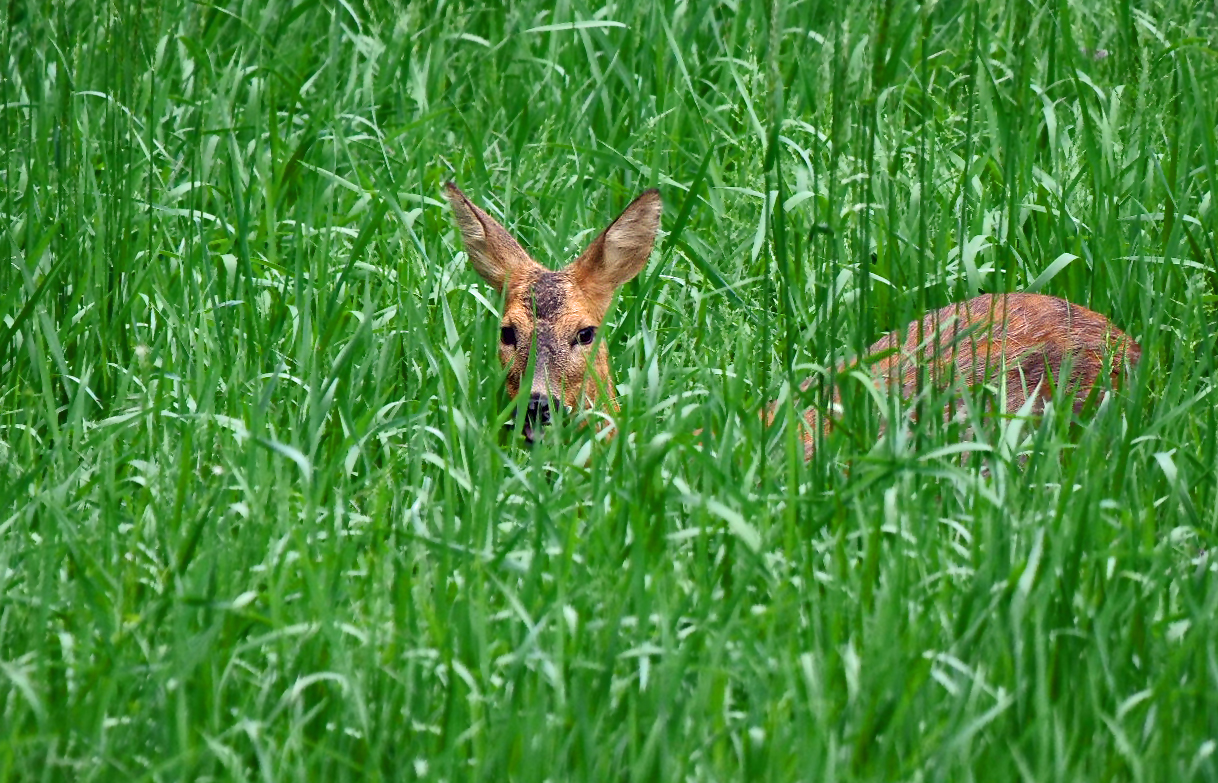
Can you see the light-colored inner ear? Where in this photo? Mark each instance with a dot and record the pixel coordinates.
(492, 251)
(621, 252)
(629, 240)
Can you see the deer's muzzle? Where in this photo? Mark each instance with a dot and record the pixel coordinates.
(537, 416)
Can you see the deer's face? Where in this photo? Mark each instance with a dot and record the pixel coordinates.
(552, 320)
(549, 319)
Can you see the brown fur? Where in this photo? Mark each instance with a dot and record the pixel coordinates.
(1027, 337)
(549, 309)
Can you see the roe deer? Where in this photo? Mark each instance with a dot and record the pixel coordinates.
(1029, 338)
(559, 311)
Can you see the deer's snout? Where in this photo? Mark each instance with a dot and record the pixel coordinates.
(539, 409)
(537, 415)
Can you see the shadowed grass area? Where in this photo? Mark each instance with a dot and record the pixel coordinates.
(259, 518)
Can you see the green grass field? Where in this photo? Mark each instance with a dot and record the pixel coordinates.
(259, 518)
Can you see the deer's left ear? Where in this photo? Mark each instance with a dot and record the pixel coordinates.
(622, 250)
(491, 249)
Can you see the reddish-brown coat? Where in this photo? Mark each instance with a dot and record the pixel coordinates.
(1029, 337)
(549, 309)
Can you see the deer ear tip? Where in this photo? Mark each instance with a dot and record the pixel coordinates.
(652, 204)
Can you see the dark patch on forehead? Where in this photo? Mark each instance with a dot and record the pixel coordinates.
(549, 296)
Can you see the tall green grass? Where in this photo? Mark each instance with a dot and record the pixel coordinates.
(258, 517)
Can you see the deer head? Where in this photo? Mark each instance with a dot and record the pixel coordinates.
(553, 317)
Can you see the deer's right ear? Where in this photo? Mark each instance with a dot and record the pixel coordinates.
(622, 250)
(496, 256)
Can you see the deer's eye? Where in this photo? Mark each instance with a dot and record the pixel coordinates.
(586, 335)
(507, 335)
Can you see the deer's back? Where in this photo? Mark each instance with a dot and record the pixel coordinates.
(1029, 338)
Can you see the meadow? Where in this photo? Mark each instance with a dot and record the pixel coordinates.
(260, 518)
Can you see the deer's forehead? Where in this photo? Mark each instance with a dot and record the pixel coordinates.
(548, 298)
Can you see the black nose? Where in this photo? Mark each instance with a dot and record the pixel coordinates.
(537, 416)
(538, 413)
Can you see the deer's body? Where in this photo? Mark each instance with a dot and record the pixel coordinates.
(1028, 338)
(552, 318)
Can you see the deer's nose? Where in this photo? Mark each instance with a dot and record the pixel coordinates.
(537, 416)
(539, 409)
